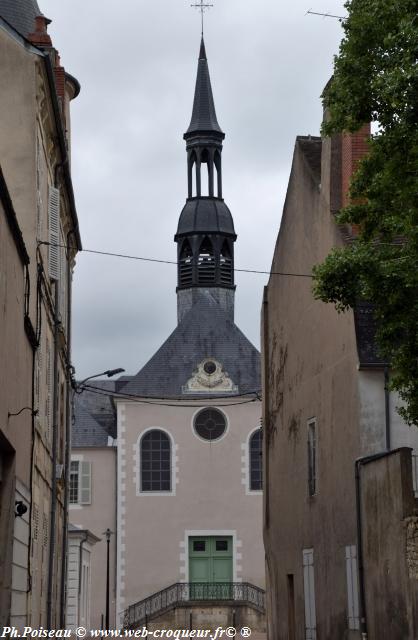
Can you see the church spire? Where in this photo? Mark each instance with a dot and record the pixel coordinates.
(205, 234)
(204, 113)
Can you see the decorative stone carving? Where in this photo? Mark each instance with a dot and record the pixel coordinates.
(210, 376)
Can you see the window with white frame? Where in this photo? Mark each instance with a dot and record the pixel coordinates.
(312, 461)
(309, 593)
(352, 587)
(255, 461)
(80, 482)
(155, 452)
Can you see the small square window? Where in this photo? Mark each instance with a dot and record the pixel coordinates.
(222, 545)
(199, 545)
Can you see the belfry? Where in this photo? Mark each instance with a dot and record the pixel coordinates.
(205, 236)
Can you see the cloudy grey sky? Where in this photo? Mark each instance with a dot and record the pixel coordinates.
(136, 62)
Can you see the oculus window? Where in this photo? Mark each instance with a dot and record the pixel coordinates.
(210, 424)
(155, 461)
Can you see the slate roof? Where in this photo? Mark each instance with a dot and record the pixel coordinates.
(94, 416)
(20, 14)
(205, 331)
(204, 113)
(205, 215)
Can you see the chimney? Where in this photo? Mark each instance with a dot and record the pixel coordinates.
(41, 37)
(354, 147)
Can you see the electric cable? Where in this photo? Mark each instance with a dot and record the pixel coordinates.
(131, 257)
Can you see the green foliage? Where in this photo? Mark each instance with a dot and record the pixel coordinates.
(376, 80)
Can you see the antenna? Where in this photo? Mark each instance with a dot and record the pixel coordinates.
(202, 6)
(325, 15)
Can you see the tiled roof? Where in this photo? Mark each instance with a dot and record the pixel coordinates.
(20, 14)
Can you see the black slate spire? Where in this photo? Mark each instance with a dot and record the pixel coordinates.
(204, 113)
(20, 14)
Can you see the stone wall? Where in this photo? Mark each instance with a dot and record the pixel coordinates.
(390, 546)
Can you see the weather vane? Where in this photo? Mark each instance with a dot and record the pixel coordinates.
(202, 6)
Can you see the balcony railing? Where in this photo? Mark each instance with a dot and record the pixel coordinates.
(187, 593)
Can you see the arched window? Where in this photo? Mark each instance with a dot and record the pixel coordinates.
(186, 265)
(206, 263)
(256, 461)
(155, 461)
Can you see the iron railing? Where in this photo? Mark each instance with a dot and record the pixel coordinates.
(187, 593)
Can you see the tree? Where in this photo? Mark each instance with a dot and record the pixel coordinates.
(376, 80)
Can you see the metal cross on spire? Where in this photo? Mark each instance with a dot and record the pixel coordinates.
(202, 6)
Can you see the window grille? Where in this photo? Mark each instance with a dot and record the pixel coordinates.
(155, 461)
(256, 466)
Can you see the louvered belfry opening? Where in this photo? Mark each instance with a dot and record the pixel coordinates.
(186, 265)
(226, 275)
(206, 263)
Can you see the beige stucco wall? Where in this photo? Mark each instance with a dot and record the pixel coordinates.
(210, 497)
(29, 152)
(309, 361)
(15, 431)
(97, 517)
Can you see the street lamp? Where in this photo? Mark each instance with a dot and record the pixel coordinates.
(78, 386)
(107, 533)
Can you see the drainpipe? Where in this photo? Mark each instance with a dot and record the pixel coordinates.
(387, 409)
(67, 454)
(52, 536)
(362, 590)
(80, 567)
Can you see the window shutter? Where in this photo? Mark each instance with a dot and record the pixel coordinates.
(85, 478)
(352, 587)
(54, 233)
(63, 281)
(309, 591)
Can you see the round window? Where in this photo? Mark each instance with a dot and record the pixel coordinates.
(209, 367)
(210, 424)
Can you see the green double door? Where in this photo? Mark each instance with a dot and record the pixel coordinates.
(210, 567)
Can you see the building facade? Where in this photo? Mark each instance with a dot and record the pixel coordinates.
(188, 473)
(326, 404)
(34, 450)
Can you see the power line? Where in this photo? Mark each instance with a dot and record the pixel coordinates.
(325, 15)
(160, 403)
(130, 257)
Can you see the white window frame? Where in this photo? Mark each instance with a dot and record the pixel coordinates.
(173, 461)
(353, 610)
(309, 593)
(84, 484)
